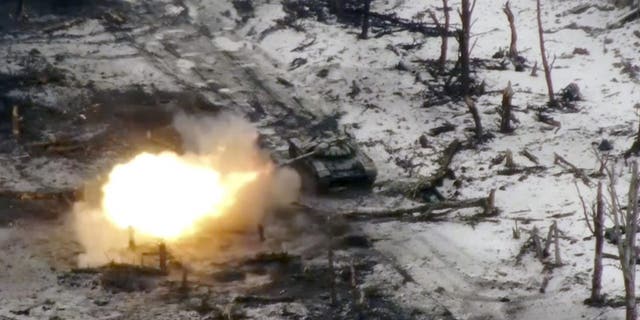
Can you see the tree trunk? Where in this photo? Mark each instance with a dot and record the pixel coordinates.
(513, 50)
(598, 226)
(465, 17)
(476, 117)
(630, 237)
(20, 9)
(365, 19)
(505, 121)
(545, 62)
(445, 39)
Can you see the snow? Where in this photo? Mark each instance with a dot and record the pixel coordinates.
(468, 268)
(457, 257)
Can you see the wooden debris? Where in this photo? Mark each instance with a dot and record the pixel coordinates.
(520, 170)
(575, 170)
(516, 231)
(263, 299)
(487, 204)
(65, 194)
(476, 118)
(437, 177)
(529, 156)
(556, 243)
(62, 26)
(445, 127)
(509, 163)
(634, 14)
(304, 45)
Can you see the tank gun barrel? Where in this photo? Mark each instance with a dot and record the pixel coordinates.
(298, 158)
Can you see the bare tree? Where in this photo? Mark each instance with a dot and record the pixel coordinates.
(513, 50)
(545, 61)
(365, 19)
(627, 220)
(444, 33)
(595, 216)
(465, 13)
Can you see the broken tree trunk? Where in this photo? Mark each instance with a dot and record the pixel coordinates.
(490, 205)
(513, 50)
(443, 171)
(487, 204)
(505, 111)
(444, 33)
(630, 245)
(464, 35)
(365, 19)
(635, 147)
(627, 247)
(598, 230)
(529, 156)
(476, 118)
(15, 121)
(545, 62)
(556, 243)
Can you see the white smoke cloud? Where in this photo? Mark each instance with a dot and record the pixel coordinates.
(225, 143)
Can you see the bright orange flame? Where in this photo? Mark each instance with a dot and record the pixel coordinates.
(166, 195)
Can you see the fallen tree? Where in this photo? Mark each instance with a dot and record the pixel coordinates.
(487, 204)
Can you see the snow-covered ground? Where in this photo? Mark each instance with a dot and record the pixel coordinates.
(475, 264)
(468, 268)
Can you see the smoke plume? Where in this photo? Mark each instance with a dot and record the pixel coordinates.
(225, 144)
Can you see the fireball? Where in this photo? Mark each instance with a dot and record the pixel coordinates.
(166, 196)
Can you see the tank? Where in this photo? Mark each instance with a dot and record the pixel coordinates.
(333, 161)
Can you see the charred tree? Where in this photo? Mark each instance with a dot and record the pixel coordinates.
(545, 61)
(366, 11)
(505, 110)
(627, 219)
(465, 13)
(444, 33)
(476, 118)
(337, 7)
(464, 58)
(513, 50)
(635, 147)
(598, 232)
